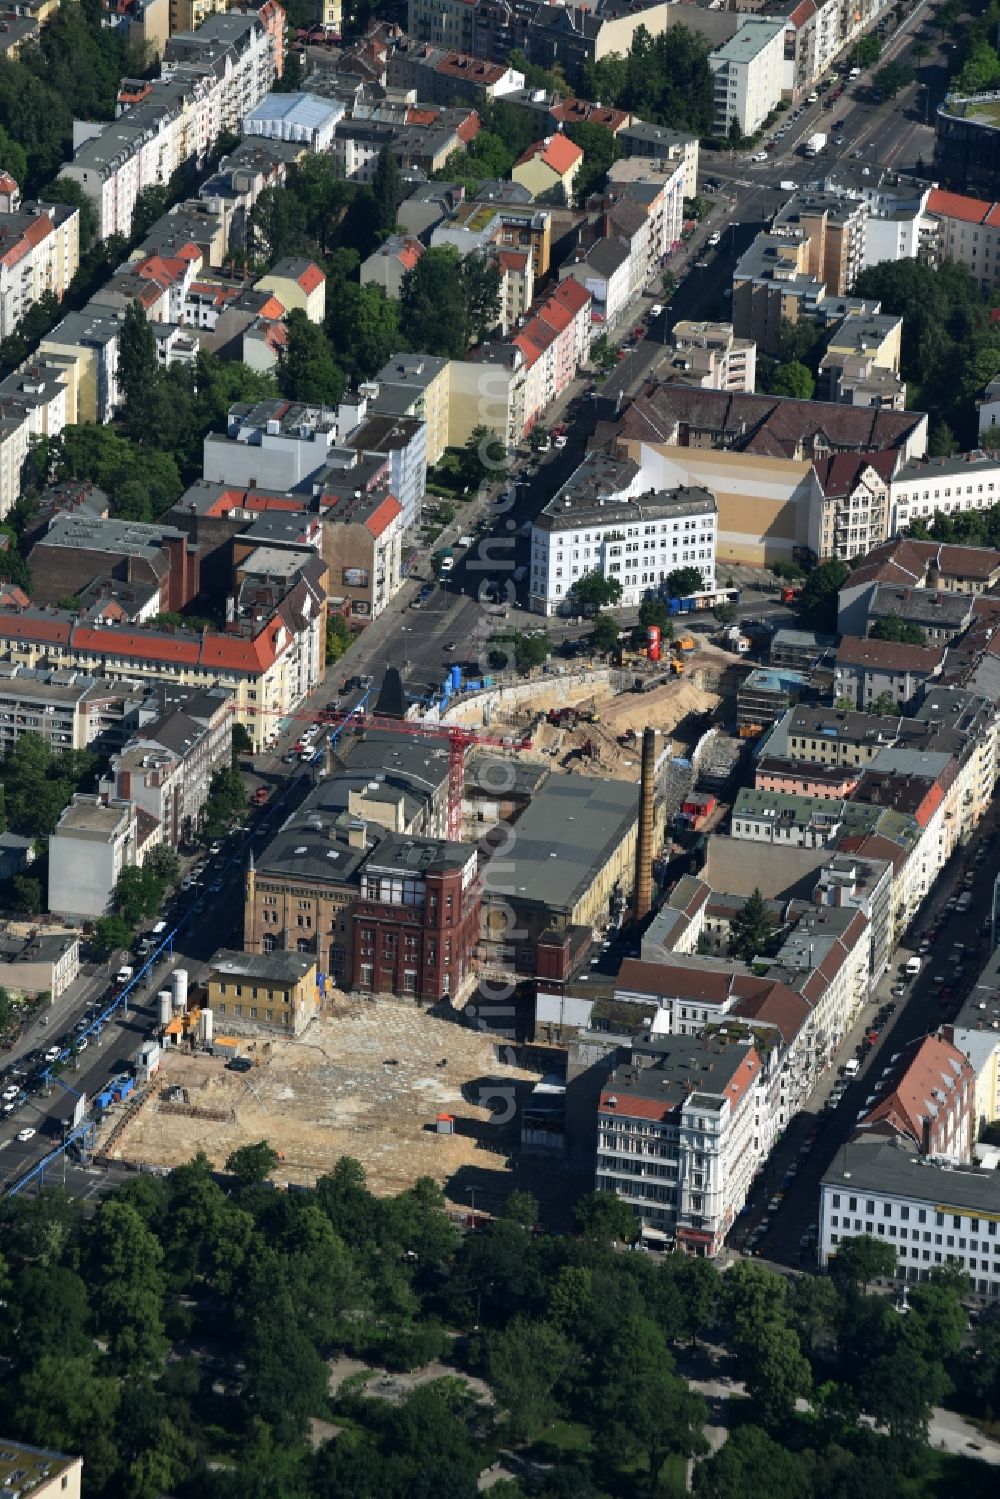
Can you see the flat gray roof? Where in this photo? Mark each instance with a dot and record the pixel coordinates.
(276, 967)
(566, 835)
(895, 1170)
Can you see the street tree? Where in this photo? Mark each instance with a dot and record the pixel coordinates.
(817, 603)
(684, 581)
(893, 78)
(862, 1259)
(307, 370)
(595, 591)
(605, 633)
(603, 1218)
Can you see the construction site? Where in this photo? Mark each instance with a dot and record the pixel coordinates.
(406, 1093)
(590, 721)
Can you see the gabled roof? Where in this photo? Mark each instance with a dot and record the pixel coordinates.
(558, 152)
(841, 474)
(957, 206)
(310, 278)
(928, 1082)
(888, 655)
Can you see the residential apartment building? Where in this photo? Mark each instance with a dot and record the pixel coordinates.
(39, 252)
(417, 386)
(362, 544)
(928, 565)
(270, 659)
(868, 669)
(50, 1474)
(440, 76)
(606, 519)
(555, 342)
(852, 512)
(931, 1214)
(71, 710)
(510, 226)
(861, 362)
(928, 1098)
(968, 234)
(94, 841)
(210, 79)
(660, 186)
(676, 1136)
(572, 35)
(963, 481)
(298, 284)
(711, 357)
(401, 443)
(549, 169)
(834, 228)
(449, 24)
(747, 75)
(604, 269)
(166, 767)
(389, 262)
(36, 963)
(84, 347)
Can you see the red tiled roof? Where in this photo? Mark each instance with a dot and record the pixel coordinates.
(957, 206)
(311, 277)
(558, 153)
(409, 252)
(932, 1080)
(572, 293)
(31, 236)
(272, 308)
(381, 519)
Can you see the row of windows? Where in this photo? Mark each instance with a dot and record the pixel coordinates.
(921, 1215)
(254, 1014)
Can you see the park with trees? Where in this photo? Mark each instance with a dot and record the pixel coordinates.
(183, 1336)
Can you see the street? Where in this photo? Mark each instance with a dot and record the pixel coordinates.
(817, 1133)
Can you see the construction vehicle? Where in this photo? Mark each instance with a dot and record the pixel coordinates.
(683, 643)
(677, 667)
(750, 730)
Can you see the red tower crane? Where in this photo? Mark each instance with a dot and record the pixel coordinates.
(459, 739)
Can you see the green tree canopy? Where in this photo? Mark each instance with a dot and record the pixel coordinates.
(752, 929)
(684, 581)
(901, 630)
(817, 603)
(595, 591)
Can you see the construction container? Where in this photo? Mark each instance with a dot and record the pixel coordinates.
(164, 1001)
(455, 677)
(179, 985)
(225, 1046)
(445, 1124)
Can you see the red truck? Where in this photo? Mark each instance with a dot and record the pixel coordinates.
(789, 595)
(260, 796)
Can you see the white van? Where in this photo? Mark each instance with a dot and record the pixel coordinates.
(912, 967)
(854, 73)
(852, 1067)
(447, 564)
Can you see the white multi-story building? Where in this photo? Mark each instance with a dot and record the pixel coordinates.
(710, 356)
(211, 78)
(39, 252)
(608, 519)
(965, 481)
(748, 74)
(932, 1214)
(677, 1139)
